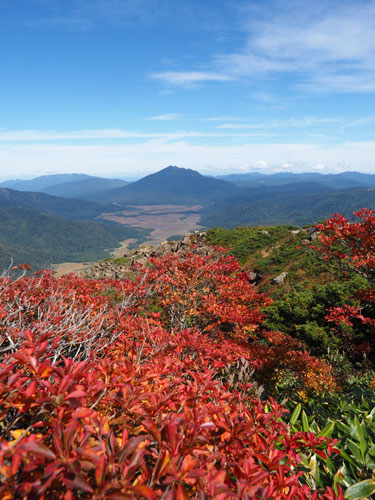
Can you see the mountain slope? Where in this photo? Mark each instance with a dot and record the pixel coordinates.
(43, 182)
(271, 194)
(31, 236)
(337, 181)
(300, 210)
(82, 188)
(62, 207)
(172, 185)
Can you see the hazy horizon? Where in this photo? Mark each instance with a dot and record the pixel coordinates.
(134, 178)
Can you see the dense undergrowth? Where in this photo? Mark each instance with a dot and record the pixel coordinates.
(177, 384)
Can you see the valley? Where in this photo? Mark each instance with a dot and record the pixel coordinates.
(79, 268)
(164, 221)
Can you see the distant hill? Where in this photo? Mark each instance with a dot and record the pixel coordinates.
(66, 185)
(40, 239)
(43, 182)
(337, 181)
(172, 185)
(62, 207)
(271, 194)
(93, 186)
(299, 210)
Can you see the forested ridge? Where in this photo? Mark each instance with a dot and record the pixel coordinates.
(187, 380)
(40, 239)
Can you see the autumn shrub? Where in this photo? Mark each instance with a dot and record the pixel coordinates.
(116, 428)
(102, 398)
(351, 247)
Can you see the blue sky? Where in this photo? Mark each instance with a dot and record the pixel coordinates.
(127, 87)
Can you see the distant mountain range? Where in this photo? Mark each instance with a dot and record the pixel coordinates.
(66, 185)
(287, 198)
(42, 182)
(337, 181)
(301, 209)
(69, 208)
(43, 227)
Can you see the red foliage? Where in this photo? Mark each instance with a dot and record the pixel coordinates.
(101, 398)
(351, 245)
(204, 291)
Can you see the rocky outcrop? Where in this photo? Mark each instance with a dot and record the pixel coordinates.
(311, 232)
(118, 269)
(279, 280)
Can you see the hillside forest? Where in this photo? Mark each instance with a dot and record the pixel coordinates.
(187, 380)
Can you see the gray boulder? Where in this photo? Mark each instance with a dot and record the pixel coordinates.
(279, 280)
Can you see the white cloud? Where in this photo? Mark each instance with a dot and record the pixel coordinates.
(190, 78)
(259, 165)
(235, 126)
(286, 165)
(221, 119)
(328, 48)
(320, 166)
(165, 117)
(105, 134)
(361, 122)
(325, 47)
(304, 122)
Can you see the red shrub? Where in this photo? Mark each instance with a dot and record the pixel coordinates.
(101, 398)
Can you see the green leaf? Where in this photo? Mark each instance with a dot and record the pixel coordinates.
(327, 430)
(305, 421)
(362, 442)
(371, 414)
(345, 428)
(348, 458)
(359, 490)
(295, 414)
(315, 470)
(355, 450)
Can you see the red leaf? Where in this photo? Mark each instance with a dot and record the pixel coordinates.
(144, 491)
(38, 449)
(82, 413)
(31, 389)
(76, 394)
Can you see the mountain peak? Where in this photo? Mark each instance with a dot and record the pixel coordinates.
(173, 185)
(172, 169)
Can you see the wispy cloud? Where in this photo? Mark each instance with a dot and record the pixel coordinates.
(104, 134)
(363, 121)
(221, 118)
(319, 47)
(190, 78)
(238, 126)
(165, 117)
(325, 48)
(306, 122)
